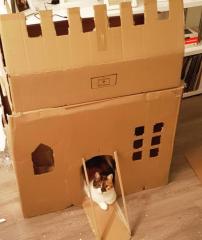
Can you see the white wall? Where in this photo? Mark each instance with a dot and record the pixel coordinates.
(193, 16)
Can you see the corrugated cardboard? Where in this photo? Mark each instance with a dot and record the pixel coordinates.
(194, 156)
(51, 71)
(111, 223)
(73, 97)
(89, 130)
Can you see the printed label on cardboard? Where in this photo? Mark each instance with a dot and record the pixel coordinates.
(104, 81)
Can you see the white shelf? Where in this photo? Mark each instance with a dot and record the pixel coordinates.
(192, 3)
(192, 93)
(193, 50)
(162, 6)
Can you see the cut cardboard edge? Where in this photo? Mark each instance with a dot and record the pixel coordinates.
(48, 33)
(111, 223)
(105, 223)
(44, 112)
(194, 157)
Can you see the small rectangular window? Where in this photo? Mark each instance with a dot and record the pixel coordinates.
(137, 155)
(156, 140)
(139, 131)
(154, 152)
(158, 127)
(138, 143)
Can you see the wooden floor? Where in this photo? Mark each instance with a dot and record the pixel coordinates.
(172, 212)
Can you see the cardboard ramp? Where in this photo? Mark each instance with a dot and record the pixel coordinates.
(109, 224)
(194, 156)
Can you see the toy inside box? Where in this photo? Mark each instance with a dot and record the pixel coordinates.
(104, 63)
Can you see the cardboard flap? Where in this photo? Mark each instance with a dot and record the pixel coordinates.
(13, 36)
(47, 53)
(47, 26)
(194, 156)
(126, 15)
(149, 40)
(111, 223)
(150, 9)
(48, 47)
(132, 36)
(101, 24)
(75, 27)
(176, 13)
(77, 52)
(105, 42)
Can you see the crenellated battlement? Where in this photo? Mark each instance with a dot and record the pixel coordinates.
(49, 52)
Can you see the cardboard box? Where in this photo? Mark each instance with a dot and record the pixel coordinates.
(51, 71)
(72, 97)
(140, 127)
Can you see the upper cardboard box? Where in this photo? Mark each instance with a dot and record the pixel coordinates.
(51, 70)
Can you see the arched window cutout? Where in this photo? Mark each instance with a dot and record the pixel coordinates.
(42, 159)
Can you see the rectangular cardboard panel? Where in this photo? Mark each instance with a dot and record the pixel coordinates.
(63, 136)
(87, 84)
(111, 223)
(154, 38)
(52, 71)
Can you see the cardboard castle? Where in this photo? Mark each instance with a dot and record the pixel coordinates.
(76, 96)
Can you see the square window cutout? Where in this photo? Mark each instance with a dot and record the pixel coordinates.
(158, 127)
(137, 155)
(138, 143)
(139, 131)
(156, 140)
(154, 152)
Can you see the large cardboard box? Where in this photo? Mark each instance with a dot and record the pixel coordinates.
(141, 128)
(72, 97)
(51, 71)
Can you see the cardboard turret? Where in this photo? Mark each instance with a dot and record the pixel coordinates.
(51, 71)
